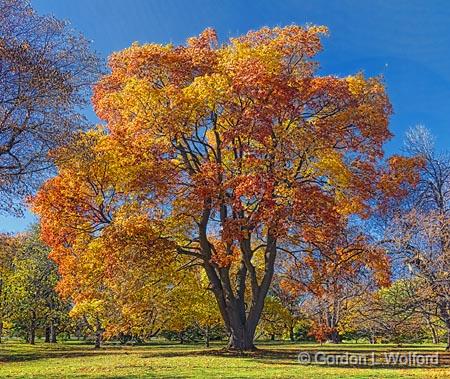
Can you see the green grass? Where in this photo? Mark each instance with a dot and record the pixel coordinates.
(164, 360)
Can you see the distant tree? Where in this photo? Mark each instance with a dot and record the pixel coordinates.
(6, 270)
(320, 331)
(275, 318)
(282, 311)
(32, 301)
(46, 70)
(387, 314)
(93, 314)
(191, 304)
(332, 272)
(420, 232)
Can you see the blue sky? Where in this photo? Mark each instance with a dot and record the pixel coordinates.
(406, 41)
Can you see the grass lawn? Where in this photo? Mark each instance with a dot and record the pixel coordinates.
(164, 360)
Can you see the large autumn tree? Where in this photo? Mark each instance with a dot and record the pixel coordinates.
(228, 153)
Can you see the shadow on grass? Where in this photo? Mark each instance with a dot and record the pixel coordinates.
(289, 357)
(266, 354)
(10, 353)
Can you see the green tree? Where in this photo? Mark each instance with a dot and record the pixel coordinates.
(30, 290)
(387, 314)
(5, 273)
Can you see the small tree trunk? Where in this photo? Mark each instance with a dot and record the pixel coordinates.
(1, 330)
(335, 337)
(32, 329)
(47, 334)
(98, 334)
(443, 309)
(447, 348)
(98, 339)
(434, 334)
(32, 336)
(207, 336)
(181, 336)
(52, 332)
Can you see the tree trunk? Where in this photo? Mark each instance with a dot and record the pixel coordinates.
(52, 332)
(1, 330)
(240, 315)
(32, 329)
(240, 319)
(98, 333)
(32, 335)
(181, 335)
(47, 334)
(335, 337)
(242, 340)
(207, 336)
(434, 334)
(98, 339)
(443, 308)
(447, 348)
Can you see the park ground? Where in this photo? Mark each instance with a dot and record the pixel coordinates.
(164, 360)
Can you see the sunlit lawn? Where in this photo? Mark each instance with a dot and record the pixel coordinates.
(164, 360)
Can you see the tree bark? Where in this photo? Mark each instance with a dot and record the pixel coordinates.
(242, 326)
(242, 339)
